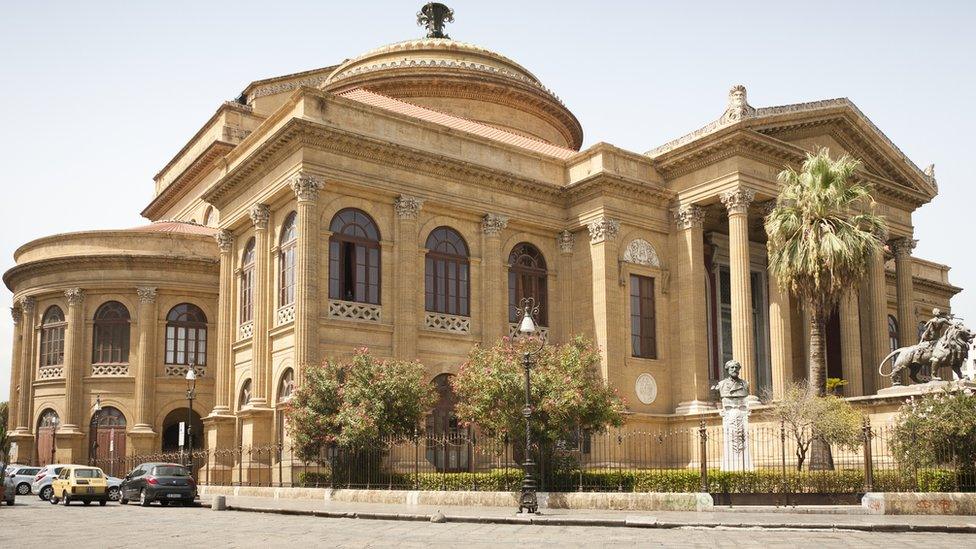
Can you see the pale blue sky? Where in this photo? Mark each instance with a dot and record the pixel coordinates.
(95, 96)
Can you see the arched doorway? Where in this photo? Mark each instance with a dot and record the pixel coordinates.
(107, 440)
(447, 442)
(47, 426)
(286, 387)
(171, 430)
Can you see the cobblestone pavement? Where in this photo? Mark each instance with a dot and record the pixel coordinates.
(32, 523)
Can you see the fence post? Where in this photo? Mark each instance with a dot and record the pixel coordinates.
(868, 461)
(416, 459)
(703, 451)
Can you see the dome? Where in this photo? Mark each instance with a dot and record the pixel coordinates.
(464, 80)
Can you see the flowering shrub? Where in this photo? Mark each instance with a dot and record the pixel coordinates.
(567, 393)
(936, 429)
(357, 404)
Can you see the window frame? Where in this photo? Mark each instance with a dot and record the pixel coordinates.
(196, 327)
(51, 346)
(115, 330)
(894, 340)
(287, 257)
(248, 260)
(536, 276)
(438, 264)
(346, 281)
(643, 341)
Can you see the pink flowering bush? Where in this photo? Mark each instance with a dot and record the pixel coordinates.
(567, 392)
(357, 404)
(936, 429)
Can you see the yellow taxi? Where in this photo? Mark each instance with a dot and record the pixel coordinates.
(80, 483)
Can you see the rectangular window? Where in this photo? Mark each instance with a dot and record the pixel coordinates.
(643, 325)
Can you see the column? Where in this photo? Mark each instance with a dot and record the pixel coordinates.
(307, 187)
(27, 364)
(878, 300)
(743, 335)
(563, 296)
(850, 345)
(145, 374)
(494, 295)
(225, 324)
(608, 318)
(15, 365)
(407, 251)
(907, 331)
(74, 358)
(692, 359)
(780, 338)
(260, 214)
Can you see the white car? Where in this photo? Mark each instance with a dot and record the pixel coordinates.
(43, 479)
(22, 476)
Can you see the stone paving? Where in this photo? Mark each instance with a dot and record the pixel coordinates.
(32, 523)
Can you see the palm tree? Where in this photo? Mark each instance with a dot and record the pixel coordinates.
(822, 235)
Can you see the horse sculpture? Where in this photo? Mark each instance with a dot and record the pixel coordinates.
(926, 358)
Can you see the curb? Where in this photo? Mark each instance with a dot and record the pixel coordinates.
(631, 522)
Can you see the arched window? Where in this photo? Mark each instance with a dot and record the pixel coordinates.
(286, 261)
(286, 386)
(446, 280)
(247, 282)
(527, 278)
(244, 398)
(52, 337)
(893, 333)
(208, 216)
(354, 258)
(186, 335)
(110, 336)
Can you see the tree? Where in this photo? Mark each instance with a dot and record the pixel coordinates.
(822, 236)
(567, 393)
(807, 417)
(4, 435)
(357, 405)
(936, 429)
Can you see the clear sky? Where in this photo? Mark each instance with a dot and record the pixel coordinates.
(96, 96)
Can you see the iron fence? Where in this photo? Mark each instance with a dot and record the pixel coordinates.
(688, 459)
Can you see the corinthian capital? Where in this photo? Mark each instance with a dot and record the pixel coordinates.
(307, 186)
(737, 200)
(74, 296)
(902, 247)
(688, 216)
(17, 313)
(407, 207)
(492, 224)
(146, 294)
(260, 214)
(605, 228)
(225, 240)
(27, 304)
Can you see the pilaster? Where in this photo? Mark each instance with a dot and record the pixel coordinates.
(692, 379)
(606, 295)
(225, 324)
(743, 335)
(15, 365)
(407, 257)
(260, 214)
(493, 301)
(24, 408)
(562, 324)
(74, 359)
(307, 187)
(850, 345)
(145, 375)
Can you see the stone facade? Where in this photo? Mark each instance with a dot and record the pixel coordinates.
(449, 136)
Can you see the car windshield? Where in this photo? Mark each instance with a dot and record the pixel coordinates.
(171, 471)
(88, 473)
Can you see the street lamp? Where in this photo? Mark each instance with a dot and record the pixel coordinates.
(191, 381)
(528, 308)
(55, 421)
(96, 415)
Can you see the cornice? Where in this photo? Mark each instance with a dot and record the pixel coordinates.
(942, 288)
(724, 145)
(603, 183)
(185, 181)
(124, 262)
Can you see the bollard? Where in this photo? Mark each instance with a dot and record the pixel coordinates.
(218, 503)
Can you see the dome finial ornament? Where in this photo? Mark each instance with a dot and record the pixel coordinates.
(433, 16)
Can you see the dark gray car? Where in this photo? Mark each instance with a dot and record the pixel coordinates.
(162, 482)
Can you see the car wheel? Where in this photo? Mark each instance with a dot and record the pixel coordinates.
(66, 500)
(52, 500)
(164, 503)
(10, 502)
(113, 494)
(144, 498)
(23, 489)
(123, 500)
(46, 493)
(87, 502)
(102, 502)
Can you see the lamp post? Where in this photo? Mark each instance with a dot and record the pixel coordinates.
(191, 381)
(96, 416)
(55, 422)
(528, 500)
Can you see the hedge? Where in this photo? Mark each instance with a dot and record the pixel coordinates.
(666, 480)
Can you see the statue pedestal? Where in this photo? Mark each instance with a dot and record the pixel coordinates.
(736, 454)
(930, 387)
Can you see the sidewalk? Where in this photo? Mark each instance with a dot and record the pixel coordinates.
(805, 518)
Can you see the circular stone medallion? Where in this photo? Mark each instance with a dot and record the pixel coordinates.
(646, 388)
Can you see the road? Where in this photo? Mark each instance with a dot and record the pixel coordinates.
(33, 523)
